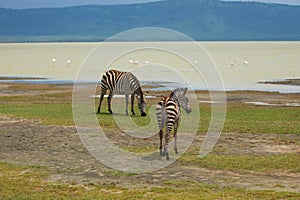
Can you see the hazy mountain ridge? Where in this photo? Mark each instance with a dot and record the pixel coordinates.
(202, 20)
(24, 4)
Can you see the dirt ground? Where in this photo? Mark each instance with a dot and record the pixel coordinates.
(62, 152)
(60, 149)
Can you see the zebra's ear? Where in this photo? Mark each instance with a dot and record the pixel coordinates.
(185, 90)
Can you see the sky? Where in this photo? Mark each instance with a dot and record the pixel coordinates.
(21, 4)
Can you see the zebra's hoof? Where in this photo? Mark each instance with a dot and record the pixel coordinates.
(176, 151)
(161, 152)
(167, 157)
(110, 111)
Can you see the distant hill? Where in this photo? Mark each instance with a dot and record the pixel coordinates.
(23, 4)
(200, 19)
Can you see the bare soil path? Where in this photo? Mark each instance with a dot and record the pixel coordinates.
(61, 151)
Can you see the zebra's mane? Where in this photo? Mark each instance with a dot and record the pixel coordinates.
(177, 93)
(140, 94)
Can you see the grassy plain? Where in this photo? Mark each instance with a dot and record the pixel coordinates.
(54, 107)
(27, 182)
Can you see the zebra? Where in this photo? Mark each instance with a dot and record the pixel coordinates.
(118, 82)
(168, 114)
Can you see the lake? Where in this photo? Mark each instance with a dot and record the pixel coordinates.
(239, 65)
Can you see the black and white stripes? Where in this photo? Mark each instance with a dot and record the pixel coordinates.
(168, 114)
(124, 83)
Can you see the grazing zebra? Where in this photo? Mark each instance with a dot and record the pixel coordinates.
(118, 82)
(168, 114)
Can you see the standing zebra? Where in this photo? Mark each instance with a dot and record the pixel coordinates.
(168, 114)
(118, 82)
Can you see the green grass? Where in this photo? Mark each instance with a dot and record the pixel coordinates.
(28, 182)
(281, 120)
(47, 113)
(144, 149)
(240, 163)
(242, 119)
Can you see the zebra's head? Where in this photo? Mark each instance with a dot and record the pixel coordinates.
(185, 104)
(183, 100)
(142, 104)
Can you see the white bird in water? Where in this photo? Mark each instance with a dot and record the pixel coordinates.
(68, 62)
(133, 62)
(53, 62)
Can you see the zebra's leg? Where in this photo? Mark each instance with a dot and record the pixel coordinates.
(126, 98)
(132, 104)
(101, 98)
(166, 148)
(161, 133)
(109, 102)
(160, 123)
(175, 134)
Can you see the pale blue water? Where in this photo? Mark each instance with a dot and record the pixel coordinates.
(240, 64)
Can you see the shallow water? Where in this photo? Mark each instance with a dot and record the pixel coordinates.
(240, 64)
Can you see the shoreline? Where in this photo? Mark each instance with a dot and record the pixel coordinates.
(288, 81)
(236, 97)
(154, 86)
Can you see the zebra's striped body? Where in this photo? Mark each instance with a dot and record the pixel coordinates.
(124, 83)
(168, 114)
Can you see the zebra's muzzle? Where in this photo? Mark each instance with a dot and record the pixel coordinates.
(143, 114)
(188, 110)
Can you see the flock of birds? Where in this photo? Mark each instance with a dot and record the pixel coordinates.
(54, 61)
(232, 63)
(136, 62)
